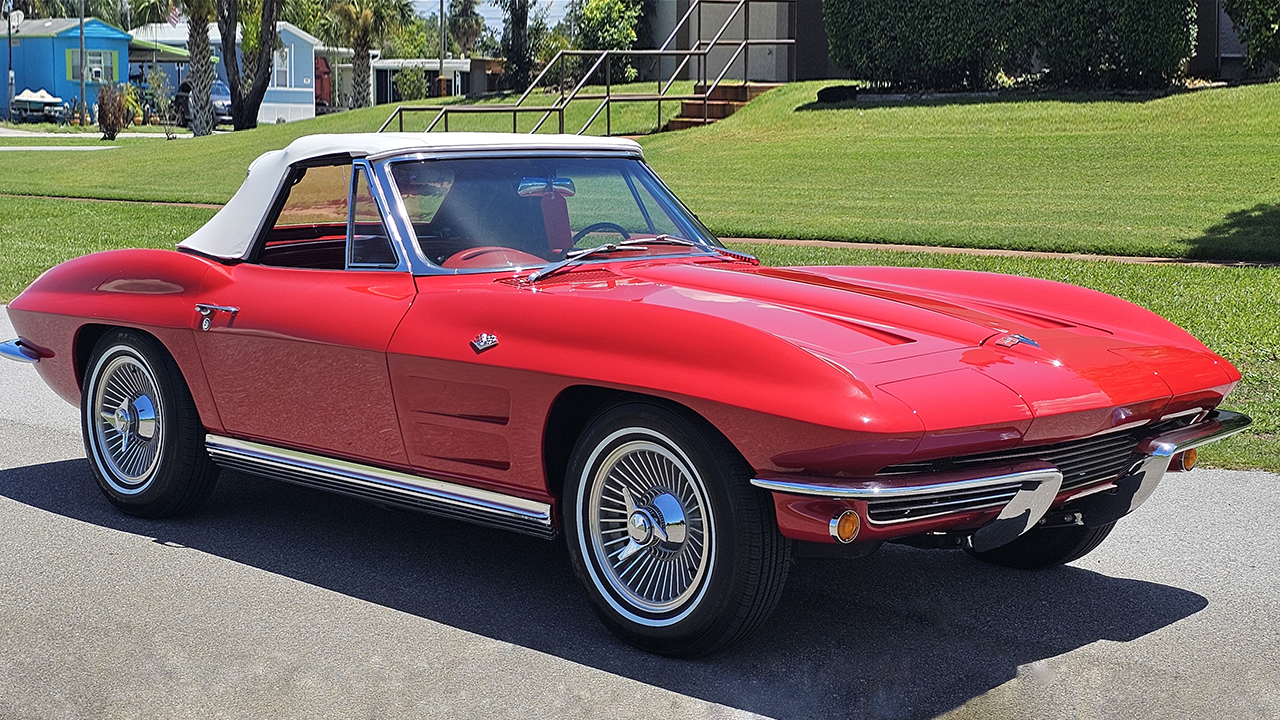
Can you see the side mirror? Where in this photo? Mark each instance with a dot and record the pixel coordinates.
(543, 187)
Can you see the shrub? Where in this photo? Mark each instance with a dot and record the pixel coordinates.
(947, 44)
(161, 97)
(1258, 23)
(111, 110)
(1154, 38)
(922, 43)
(411, 83)
(1143, 43)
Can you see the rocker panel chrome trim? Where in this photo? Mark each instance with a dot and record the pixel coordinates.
(420, 493)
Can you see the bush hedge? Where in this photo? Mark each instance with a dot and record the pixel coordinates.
(946, 44)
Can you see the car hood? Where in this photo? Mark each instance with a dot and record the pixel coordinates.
(964, 348)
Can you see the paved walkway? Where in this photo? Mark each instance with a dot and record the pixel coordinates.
(55, 148)
(895, 247)
(14, 132)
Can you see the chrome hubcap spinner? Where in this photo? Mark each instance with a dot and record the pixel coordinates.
(126, 427)
(649, 527)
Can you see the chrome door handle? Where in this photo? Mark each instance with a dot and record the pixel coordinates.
(207, 310)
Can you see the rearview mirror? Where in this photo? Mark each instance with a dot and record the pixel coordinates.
(542, 187)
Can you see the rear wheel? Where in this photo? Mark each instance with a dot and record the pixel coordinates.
(142, 433)
(679, 553)
(1047, 547)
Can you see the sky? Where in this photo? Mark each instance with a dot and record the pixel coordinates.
(493, 14)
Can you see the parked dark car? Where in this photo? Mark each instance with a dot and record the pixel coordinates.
(219, 93)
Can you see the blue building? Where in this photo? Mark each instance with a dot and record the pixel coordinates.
(46, 56)
(291, 94)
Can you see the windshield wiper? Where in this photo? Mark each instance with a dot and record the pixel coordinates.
(574, 257)
(677, 240)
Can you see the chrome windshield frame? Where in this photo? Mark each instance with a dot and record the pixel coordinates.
(402, 226)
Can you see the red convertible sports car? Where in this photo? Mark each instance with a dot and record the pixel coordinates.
(532, 332)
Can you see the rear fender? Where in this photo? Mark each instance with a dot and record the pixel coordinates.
(154, 291)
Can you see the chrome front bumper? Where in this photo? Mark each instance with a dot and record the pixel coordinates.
(1024, 492)
(15, 350)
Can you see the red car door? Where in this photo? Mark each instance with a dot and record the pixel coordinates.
(294, 348)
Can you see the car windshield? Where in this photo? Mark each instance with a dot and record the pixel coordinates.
(219, 91)
(485, 214)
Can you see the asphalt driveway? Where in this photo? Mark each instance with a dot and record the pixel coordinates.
(279, 601)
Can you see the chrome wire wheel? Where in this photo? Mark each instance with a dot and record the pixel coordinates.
(648, 526)
(127, 420)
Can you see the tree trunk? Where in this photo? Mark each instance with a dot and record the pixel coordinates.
(201, 76)
(360, 74)
(248, 90)
(519, 58)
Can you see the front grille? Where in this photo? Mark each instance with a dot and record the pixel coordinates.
(1081, 462)
(919, 507)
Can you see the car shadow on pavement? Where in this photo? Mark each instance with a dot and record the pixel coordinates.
(902, 634)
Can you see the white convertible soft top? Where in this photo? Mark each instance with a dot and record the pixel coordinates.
(230, 233)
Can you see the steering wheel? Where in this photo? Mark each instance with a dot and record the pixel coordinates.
(601, 226)
(490, 256)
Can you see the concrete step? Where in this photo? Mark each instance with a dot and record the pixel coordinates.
(684, 123)
(737, 92)
(715, 108)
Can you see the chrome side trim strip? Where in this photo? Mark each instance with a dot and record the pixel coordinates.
(15, 350)
(878, 490)
(420, 493)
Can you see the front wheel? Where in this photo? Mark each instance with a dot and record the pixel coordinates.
(142, 433)
(1046, 547)
(679, 553)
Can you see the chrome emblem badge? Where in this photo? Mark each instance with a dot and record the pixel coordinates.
(1014, 339)
(483, 342)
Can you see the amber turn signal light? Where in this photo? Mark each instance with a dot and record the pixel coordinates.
(1183, 461)
(844, 527)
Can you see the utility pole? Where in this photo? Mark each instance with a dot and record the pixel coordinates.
(84, 104)
(8, 103)
(440, 81)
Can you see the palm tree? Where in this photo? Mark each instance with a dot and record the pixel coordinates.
(465, 23)
(201, 75)
(360, 24)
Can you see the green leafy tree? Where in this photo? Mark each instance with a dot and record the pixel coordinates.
(418, 38)
(489, 44)
(359, 25)
(515, 42)
(609, 25)
(306, 14)
(1258, 24)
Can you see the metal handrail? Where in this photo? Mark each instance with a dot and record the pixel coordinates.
(701, 51)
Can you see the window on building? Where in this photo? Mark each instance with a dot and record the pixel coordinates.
(280, 75)
(100, 65)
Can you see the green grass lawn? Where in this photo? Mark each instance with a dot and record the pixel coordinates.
(626, 118)
(37, 233)
(1236, 311)
(210, 169)
(1191, 175)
